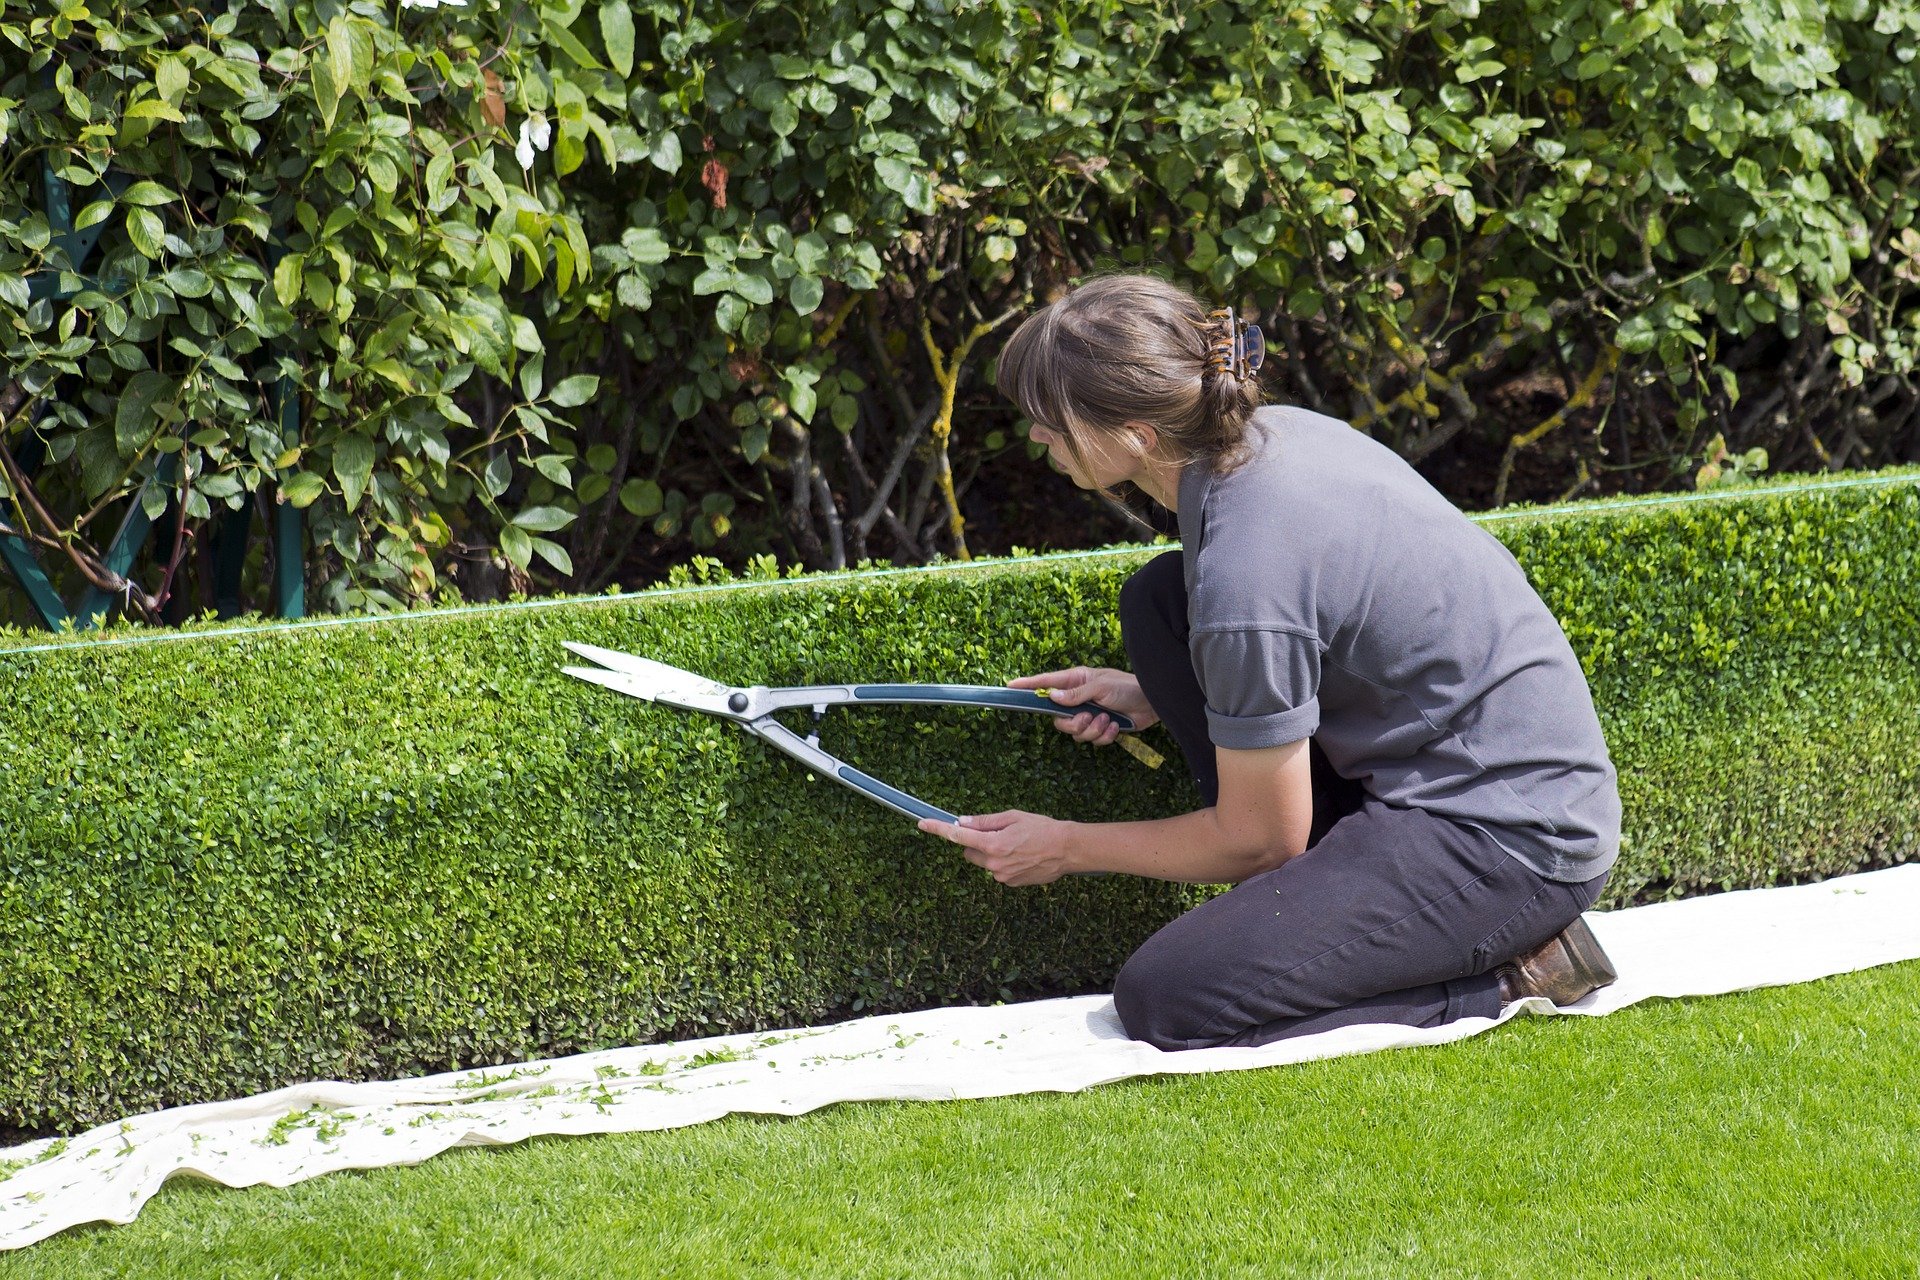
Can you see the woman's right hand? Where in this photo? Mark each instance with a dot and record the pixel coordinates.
(1115, 690)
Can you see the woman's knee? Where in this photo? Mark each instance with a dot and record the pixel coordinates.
(1148, 599)
(1155, 1002)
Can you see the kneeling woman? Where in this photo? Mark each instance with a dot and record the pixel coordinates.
(1400, 765)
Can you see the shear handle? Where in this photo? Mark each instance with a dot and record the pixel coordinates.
(956, 695)
(828, 766)
(784, 739)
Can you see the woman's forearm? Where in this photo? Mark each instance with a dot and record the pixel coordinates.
(1193, 848)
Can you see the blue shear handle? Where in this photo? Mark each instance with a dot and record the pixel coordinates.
(982, 696)
(892, 797)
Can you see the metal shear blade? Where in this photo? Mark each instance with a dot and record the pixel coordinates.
(652, 681)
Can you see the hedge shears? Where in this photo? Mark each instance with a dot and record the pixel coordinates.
(753, 710)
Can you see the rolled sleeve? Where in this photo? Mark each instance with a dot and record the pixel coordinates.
(1262, 685)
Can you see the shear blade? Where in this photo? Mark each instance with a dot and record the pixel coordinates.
(643, 677)
(611, 679)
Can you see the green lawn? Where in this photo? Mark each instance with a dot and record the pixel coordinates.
(1769, 1133)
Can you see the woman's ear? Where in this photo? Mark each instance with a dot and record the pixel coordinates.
(1142, 438)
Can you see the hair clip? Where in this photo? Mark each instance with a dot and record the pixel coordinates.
(1241, 351)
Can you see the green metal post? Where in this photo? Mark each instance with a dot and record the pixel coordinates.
(19, 556)
(230, 558)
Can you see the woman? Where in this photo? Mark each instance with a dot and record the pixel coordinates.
(1400, 765)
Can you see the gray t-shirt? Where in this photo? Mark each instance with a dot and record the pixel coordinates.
(1333, 593)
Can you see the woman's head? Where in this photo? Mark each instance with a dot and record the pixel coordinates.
(1124, 350)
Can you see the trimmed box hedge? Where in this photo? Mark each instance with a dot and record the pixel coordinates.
(238, 857)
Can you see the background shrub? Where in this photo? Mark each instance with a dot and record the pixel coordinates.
(230, 859)
(574, 289)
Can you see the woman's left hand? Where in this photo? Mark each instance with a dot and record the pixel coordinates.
(1018, 848)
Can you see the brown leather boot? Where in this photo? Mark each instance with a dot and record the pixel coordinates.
(1564, 968)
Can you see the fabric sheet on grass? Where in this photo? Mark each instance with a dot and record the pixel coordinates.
(1699, 946)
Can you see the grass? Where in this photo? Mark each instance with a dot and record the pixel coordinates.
(1768, 1133)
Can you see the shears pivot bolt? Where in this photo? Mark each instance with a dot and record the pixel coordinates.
(738, 702)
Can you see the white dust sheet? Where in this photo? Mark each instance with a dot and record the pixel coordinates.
(1697, 947)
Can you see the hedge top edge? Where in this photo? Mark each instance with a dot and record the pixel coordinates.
(1785, 486)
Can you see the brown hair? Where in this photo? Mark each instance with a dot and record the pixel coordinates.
(1130, 348)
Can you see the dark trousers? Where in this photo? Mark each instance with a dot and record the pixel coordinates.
(1391, 915)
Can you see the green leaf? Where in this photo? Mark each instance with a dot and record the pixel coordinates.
(616, 28)
(98, 211)
(554, 468)
(353, 466)
(383, 173)
(754, 288)
(544, 519)
(645, 245)
(554, 554)
(1593, 64)
(439, 178)
(569, 152)
(517, 544)
(1238, 171)
(536, 426)
(810, 253)
(666, 152)
(894, 172)
(170, 77)
(303, 489)
(1206, 251)
(392, 371)
(287, 278)
(340, 50)
(188, 282)
(1636, 335)
(220, 484)
(134, 418)
(154, 109)
(147, 192)
(805, 292)
(570, 44)
(320, 289)
(497, 475)
(632, 291)
(753, 441)
(641, 498)
(803, 399)
(845, 411)
(326, 90)
(576, 390)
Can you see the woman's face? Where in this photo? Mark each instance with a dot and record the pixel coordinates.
(1104, 459)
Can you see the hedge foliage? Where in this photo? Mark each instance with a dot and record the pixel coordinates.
(237, 859)
(561, 281)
